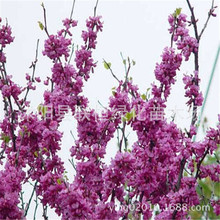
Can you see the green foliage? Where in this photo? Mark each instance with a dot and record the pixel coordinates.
(41, 25)
(143, 96)
(5, 138)
(146, 96)
(42, 109)
(113, 91)
(177, 12)
(107, 65)
(129, 115)
(133, 62)
(36, 154)
(59, 181)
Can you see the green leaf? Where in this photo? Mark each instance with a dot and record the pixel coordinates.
(133, 62)
(45, 149)
(113, 93)
(124, 62)
(40, 25)
(66, 178)
(185, 174)
(217, 189)
(195, 214)
(143, 96)
(130, 115)
(126, 185)
(20, 133)
(5, 138)
(177, 12)
(25, 128)
(107, 65)
(206, 187)
(59, 181)
(42, 109)
(39, 108)
(130, 216)
(36, 154)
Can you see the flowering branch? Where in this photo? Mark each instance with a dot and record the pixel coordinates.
(150, 172)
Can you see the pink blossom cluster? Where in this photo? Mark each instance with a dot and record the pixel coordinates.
(10, 187)
(184, 41)
(67, 23)
(5, 34)
(5, 39)
(56, 47)
(165, 72)
(192, 89)
(84, 60)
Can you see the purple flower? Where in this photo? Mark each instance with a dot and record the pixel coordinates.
(192, 89)
(56, 47)
(5, 35)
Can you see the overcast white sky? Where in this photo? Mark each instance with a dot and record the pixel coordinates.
(138, 29)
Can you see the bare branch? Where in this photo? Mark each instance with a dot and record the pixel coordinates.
(73, 5)
(95, 8)
(206, 23)
(45, 20)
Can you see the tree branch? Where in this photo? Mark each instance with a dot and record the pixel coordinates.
(206, 23)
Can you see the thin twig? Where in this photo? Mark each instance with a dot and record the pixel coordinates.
(174, 29)
(36, 206)
(123, 136)
(124, 61)
(95, 8)
(30, 199)
(45, 212)
(102, 105)
(72, 135)
(206, 23)
(193, 19)
(200, 163)
(73, 6)
(71, 55)
(103, 132)
(22, 200)
(33, 65)
(126, 75)
(182, 165)
(45, 20)
(72, 163)
(111, 71)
